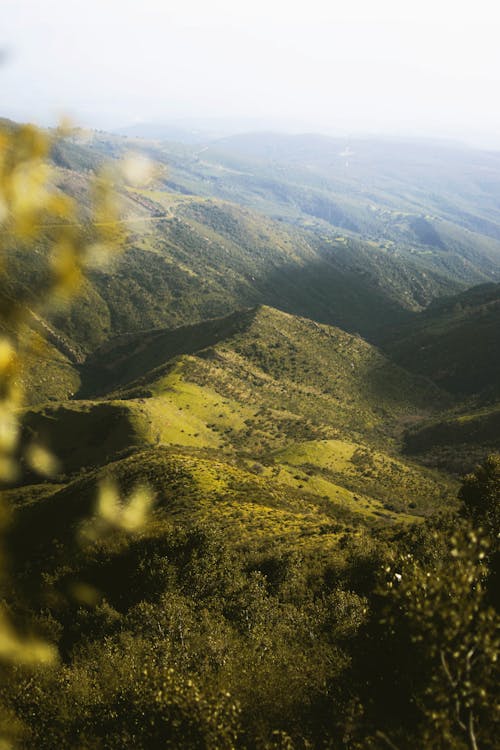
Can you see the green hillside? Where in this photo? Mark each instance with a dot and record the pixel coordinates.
(232, 516)
(287, 423)
(357, 247)
(455, 342)
(456, 442)
(145, 332)
(204, 260)
(285, 361)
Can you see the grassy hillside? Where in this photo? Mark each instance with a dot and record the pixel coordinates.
(293, 581)
(271, 220)
(281, 428)
(284, 361)
(357, 245)
(206, 259)
(284, 222)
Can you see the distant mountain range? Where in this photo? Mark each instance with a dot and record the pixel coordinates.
(240, 326)
(241, 450)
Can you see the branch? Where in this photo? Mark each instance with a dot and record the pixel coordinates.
(446, 668)
(453, 684)
(386, 739)
(472, 732)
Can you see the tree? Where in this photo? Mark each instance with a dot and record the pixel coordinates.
(455, 634)
(480, 494)
(427, 667)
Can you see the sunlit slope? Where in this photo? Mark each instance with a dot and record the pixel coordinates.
(262, 399)
(268, 358)
(253, 509)
(200, 249)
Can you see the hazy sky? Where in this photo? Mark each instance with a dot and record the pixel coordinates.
(431, 67)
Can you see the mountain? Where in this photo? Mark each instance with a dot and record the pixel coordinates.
(236, 515)
(301, 419)
(455, 342)
(269, 219)
(434, 203)
(371, 253)
(458, 441)
(294, 360)
(329, 243)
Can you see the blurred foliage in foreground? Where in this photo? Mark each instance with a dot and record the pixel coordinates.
(32, 210)
(153, 635)
(174, 638)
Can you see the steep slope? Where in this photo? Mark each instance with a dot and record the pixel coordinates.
(257, 402)
(455, 342)
(289, 362)
(203, 259)
(456, 442)
(358, 246)
(293, 400)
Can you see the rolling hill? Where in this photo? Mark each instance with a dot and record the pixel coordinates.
(148, 361)
(285, 356)
(276, 220)
(277, 424)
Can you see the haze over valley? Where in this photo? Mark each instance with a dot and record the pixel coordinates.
(249, 378)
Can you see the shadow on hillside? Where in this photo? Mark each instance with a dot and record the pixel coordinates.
(323, 293)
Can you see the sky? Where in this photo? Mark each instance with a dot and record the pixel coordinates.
(430, 68)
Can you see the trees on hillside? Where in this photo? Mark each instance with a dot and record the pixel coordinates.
(427, 669)
(480, 494)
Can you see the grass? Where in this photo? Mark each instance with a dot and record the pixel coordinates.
(166, 423)
(318, 485)
(326, 454)
(82, 434)
(316, 377)
(255, 513)
(312, 411)
(263, 417)
(180, 412)
(377, 481)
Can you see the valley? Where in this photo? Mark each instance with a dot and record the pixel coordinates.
(251, 417)
(191, 344)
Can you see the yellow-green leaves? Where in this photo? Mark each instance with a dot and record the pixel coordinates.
(33, 210)
(41, 460)
(36, 216)
(116, 513)
(14, 649)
